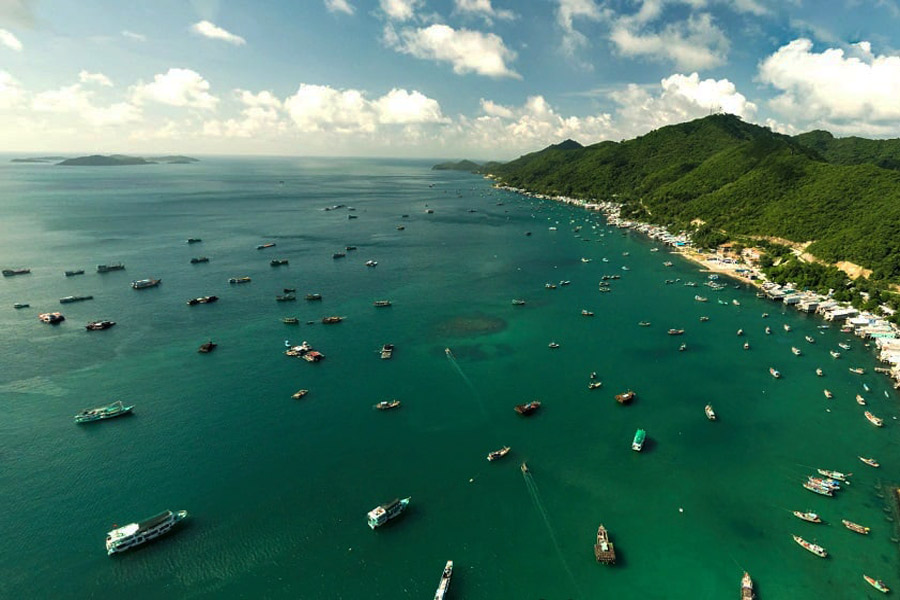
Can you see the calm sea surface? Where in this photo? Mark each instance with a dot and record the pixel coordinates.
(278, 489)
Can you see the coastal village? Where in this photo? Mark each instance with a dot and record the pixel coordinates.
(875, 329)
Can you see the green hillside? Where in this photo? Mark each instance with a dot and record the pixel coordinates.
(743, 179)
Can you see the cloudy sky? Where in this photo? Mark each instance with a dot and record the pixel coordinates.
(432, 78)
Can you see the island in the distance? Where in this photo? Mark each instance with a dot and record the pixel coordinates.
(39, 159)
(463, 165)
(119, 160)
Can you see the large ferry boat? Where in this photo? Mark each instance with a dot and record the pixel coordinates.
(135, 534)
(141, 284)
(604, 550)
(638, 443)
(444, 585)
(814, 548)
(746, 587)
(116, 409)
(380, 515)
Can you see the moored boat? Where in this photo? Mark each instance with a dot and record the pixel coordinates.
(811, 517)
(239, 280)
(497, 454)
(74, 272)
(593, 385)
(675, 331)
(299, 394)
(857, 370)
(21, 305)
(586, 313)
(371, 263)
(818, 489)
(860, 400)
(810, 339)
(207, 347)
(819, 372)
(774, 373)
(116, 409)
(855, 527)
(836, 475)
(877, 584)
(99, 325)
(277, 262)
(264, 246)
(553, 345)
(814, 548)
(387, 351)
(313, 297)
(141, 284)
(528, 408)
(796, 351)
(332, 319)
(285, 298)
(199, 259)
(844, 345)
(290, 321)
(834, 353)
(710, 414)
(13, 272)
(768, 330)
(746, 587)
(202, 300)
(386, 404)
(382, 303)
(625, 397)
(135, 534)
(71, 299)
(112, 267)
(637, 444)
(877, 422)
(446, 574)
(787, 327)
(644, 323)
(869, 461)
(194, 240)
(380, 515)
(828, 394)
(604, 550)
(51, 318)
(518, 302)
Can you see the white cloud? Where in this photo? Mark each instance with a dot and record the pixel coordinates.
(681, 98)
(261, 116)
(567, 12)
(483, 8)
(342, 6)
(10, 91)
(400, 10)
(20, 12)
(468, 51)
(693, 44)
(10, 41)
(74, 99)
(322, 108)
(492, 109)
(98, 78)
(855, 90)
(139, 37)
(177, 87)
(214, 32)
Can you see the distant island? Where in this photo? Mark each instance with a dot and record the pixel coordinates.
(39, 159)
(121, 160)
(463, 165)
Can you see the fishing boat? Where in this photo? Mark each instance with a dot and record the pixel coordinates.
(819, 372)
(528, 408)
(141, 284)
(811, 517)
(604, 550)
(860, 400)
(550, 286)
(774, 373)
(844, 345)
(71, 299)
(740, 332)
(14, 272)
(264, 246)
(870, 461)
(810, 339)
(699, 298)
(74, 272)
(768, 330)
(553, 345)
(787, 327)
(746, 345)
(667, 263)
(496, 454)
(380, 515)
(675, 331)
(593, 385)
(857, 370)
(855, 527)
(828, 394)
(866, 387)
(818, 489)
(387, 351)
(710, 414)
(796, 351)
(99, 325)
(814, 548)
(746, 587)
(682, 347)
(564, 282)
(586, 313)
(135, 534)
(371, 263)
(194, 240)
(518, 302)
(834, 353)
(21, 305)
(290, 321)
(382, 303)
(199, 259)
(51, 318)
(877, 422)
(837, 475)
(299, 394)
(637, 444)
(877, 584)
(313, 297)
(116, 409)
(703, 319)
(625, 397)
(112, 267)
(735, 302)
(277, 262)
(331, 320)
(202, 300)
(524, 467)
(339, 255)
(207, 347)
(644, 323)
(239, 280)
(444, 584)
(386, 404)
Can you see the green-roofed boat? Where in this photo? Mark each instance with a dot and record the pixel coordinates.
(638, 444)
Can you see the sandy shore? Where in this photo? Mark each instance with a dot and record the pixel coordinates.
(710, 264)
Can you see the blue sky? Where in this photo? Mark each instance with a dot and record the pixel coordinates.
(436, 78)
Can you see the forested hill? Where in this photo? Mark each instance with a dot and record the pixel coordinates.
(742, 179)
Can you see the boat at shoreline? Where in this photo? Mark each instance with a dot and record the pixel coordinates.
(528, 408)
(99, 325)
(809, 517)
(855, 527)
(814, 548)
(135, 534)
(444, 584)
(141, 284)
(110, 411)
(497, 454)
(386, 404)
(604, 550)
(640, 436)
(380, 515)
(710, 414)
(877, 584)
(877, 422)
(746, 587)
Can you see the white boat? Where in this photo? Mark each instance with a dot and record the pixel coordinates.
(834, 353)
(787, 327)
(444, 584)
(710, 414)
(796, 351)
(135, 534)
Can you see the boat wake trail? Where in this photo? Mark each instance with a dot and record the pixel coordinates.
(536, 498)
(468, 381)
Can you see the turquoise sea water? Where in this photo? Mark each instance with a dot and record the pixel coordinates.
(278, 489)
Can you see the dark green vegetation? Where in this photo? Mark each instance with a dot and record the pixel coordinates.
(740, 179)
(119, 160)
(463, 165)
(38, 159)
